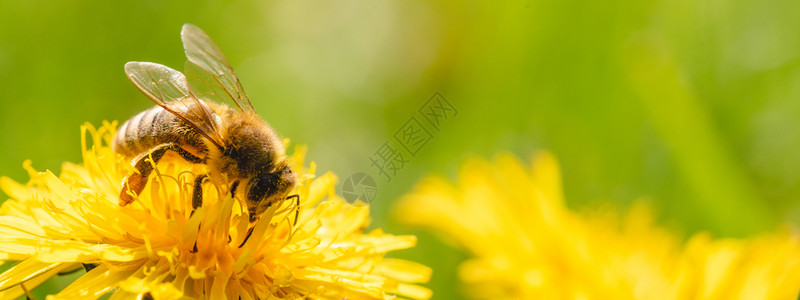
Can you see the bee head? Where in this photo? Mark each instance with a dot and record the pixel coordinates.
(269, 189)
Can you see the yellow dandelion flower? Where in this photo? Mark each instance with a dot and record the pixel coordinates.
(525, 243)
(157, 247)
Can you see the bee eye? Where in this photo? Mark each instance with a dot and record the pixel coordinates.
(262, 186)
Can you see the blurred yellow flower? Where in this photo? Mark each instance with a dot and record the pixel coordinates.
(55, 224)
(525, 244)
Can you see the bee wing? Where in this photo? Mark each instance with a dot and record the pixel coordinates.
(209, 72)
(168, 88)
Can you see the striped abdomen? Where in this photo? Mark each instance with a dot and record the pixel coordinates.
(154, 127)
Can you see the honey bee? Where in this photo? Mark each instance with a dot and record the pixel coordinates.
(234, 143)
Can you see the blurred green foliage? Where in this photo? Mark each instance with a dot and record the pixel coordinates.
(692, 105)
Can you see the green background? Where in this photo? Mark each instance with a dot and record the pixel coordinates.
(691, 105)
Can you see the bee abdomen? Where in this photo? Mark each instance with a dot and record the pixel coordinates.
(151, 128)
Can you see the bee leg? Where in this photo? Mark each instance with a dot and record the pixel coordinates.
(197, 192)
(197, 200)
(134, 183)
(297, 203)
